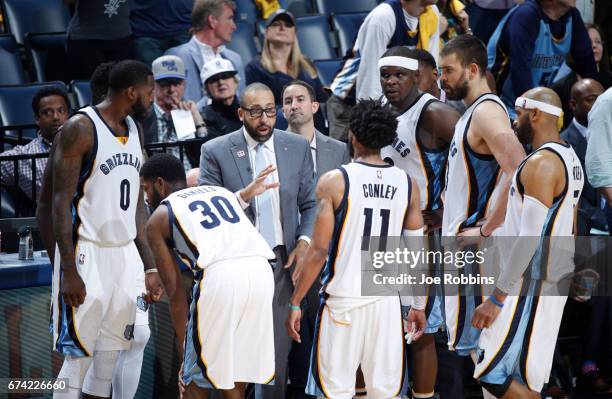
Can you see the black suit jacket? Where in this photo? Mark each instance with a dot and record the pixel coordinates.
(589, 211)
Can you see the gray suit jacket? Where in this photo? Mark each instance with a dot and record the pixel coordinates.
(225, 162)
(192, 58)
(331, 153)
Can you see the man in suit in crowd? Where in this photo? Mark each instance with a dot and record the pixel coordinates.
(583, 96)
(299, 107)
(213, 26)
(284, 215)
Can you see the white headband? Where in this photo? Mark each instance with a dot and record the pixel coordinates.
(528, 103)
(402, 62)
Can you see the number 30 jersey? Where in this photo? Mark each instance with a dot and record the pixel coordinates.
(104, 205)
(208, 225)
(374, 204)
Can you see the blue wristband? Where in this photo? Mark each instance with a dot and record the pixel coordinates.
(293, 307)
(495, 302)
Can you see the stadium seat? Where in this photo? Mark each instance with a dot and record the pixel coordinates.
(347, 26)
(328, 7)
(16, 106)
(7, 206)
(34, 16)
(315, 38)
(47, 53)
(243, 41)
(246, 11)
(81, 91)
(326, 69)
(10, 63)
(300, 8)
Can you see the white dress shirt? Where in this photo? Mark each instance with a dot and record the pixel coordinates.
(584, 131)
(313, 151)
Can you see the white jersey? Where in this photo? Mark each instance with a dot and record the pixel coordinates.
(374, 204)
(104, 205)
(208, 226)
(471, 178)
(425, 166)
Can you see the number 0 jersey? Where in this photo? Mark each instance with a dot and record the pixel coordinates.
(208, 226)
(374, 204)
(104, 205)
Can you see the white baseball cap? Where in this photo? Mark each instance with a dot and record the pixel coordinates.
(216, 67)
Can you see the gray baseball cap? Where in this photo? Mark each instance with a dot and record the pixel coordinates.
(168, 66)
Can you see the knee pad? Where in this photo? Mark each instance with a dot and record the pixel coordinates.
(498, 390)
(74, 370)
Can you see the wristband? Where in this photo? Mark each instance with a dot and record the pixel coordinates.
(495, 302)
(149, 271)
(294, 307)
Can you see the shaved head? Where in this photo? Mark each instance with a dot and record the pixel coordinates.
(583, 95)
(543, 94)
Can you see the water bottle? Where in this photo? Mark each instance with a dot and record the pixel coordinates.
(26, 245)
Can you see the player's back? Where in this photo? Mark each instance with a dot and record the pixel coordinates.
(104, 205)
(374, 204)
(209, 226)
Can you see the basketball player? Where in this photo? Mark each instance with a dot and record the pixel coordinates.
(355, 330)
(98, 220)
(424, 131)
(229, 336)
(520, 332)
(482, 157)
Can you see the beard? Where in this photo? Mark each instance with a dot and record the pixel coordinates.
(456, 93)
(140, 110)
(524, 133)
(155, 200)
(255, 135)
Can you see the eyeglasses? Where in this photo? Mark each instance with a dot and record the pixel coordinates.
(257, 112)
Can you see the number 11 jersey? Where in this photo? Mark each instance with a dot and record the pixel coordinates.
(104, 204)
(375, 202)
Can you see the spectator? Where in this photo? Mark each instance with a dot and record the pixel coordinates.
(564, 85)
(599, 148)
(583, 96)
(169, 74)
(299, 108)
(532, 42)
(412, 23)
(51, 107)
(485, 15)
(232, 161)
(220, 80)
(454, 19)
(213, 24)
(282, 61)
(158, 25)
(99, 31)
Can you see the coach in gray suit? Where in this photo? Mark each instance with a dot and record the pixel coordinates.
(299, 107)
(284, 215)
(213, 26)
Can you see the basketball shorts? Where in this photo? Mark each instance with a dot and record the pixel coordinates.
(520, 343)
(371, 336)
(105, 320)
(230, 333)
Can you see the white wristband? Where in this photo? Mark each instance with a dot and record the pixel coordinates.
(149, 271)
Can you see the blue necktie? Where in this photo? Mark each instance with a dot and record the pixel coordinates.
(264, 201)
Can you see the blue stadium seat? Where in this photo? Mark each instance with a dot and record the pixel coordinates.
(10, 63)
(47, 52)
(243, 41)
(81, 91)
(347, 26)
(35, 16)
(16, 105)
(246, 11)
(7, 205)
(314, 37)
(327, 69)
(328, 7)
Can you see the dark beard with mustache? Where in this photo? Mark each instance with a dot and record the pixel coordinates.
(524, 133)
(458, 93)
(252, 131)
(140, 110)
